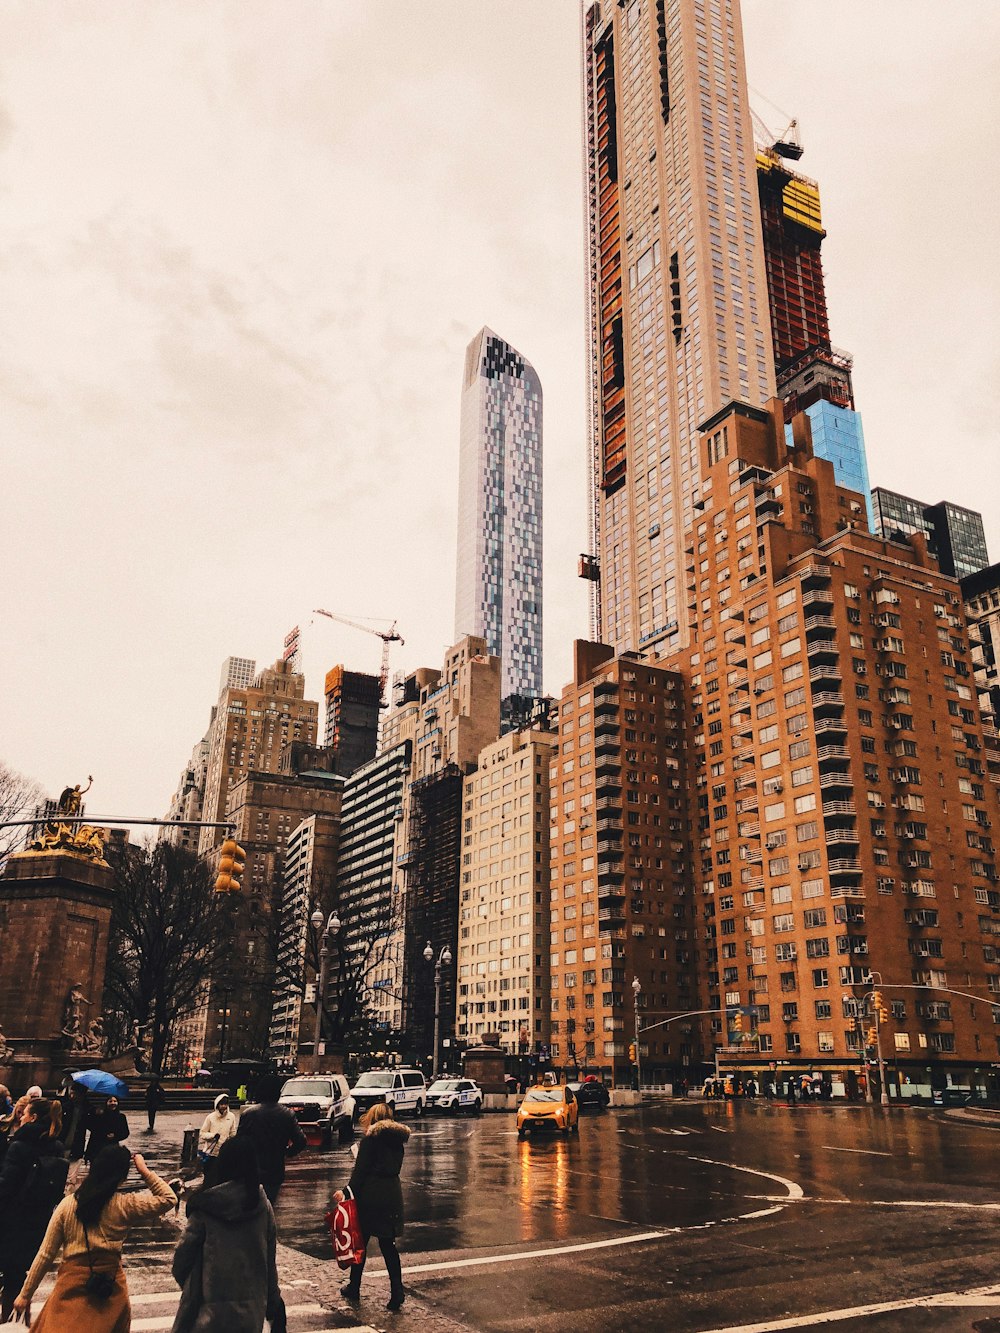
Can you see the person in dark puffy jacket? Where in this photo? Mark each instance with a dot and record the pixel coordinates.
(375, 1185)
(31, 1184)
(225, 1261)
(107, 1126)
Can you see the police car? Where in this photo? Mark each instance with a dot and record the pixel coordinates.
(452, 1095)
(403, 1089)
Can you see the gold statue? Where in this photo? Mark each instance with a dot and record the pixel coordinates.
(58, 835)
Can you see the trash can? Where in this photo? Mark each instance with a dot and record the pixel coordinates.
(189, 1149)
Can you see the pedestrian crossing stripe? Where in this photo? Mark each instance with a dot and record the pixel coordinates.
(309, 1313)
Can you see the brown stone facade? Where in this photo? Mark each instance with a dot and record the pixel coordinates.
(55, 914)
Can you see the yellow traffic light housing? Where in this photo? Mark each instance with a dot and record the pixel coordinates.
(631, 1052)
(738, 1020)
(877, 999)
(872, 1036)
(232, 864)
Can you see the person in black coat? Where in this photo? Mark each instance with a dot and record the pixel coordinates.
(31, 1184)
(275, 1133)
(155, 1097)
(76, 1117)
(375, 1185)
(107, 1126)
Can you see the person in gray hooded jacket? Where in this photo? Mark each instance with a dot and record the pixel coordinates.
(225, 1261)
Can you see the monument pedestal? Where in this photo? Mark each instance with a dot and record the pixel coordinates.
(55, 918)
(485, 1063)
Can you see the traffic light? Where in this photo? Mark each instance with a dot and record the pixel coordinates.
(872, 1036)
(232, 863)
(882, 1010)
(877, 1000)
(631, 1052)
(738, 1021)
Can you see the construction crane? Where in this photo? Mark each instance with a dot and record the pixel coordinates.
(787, 144)
(387, 636)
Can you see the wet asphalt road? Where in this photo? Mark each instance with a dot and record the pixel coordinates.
(684, 1216)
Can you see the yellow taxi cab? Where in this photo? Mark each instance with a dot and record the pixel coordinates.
(548, 1108)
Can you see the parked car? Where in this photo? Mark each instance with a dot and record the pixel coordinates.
(322, 1104)
(952, 1097)
(548, 1108)
(454, 1095)
(591, 1092)
(403, 1089)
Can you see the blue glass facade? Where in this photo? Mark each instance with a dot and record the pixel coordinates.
(838, 435)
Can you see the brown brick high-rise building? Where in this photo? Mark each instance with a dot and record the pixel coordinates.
(621, 892)
(844, 808)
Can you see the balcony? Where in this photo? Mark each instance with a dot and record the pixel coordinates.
(819, 650)
(745, 781)
(833, 808)
(813, 574)
(837, 752)
(607, 747)
(845, 865)
(767, 506)
(608, 828)
(752, 882)
(829, 726)
(606, 722)
(844, 835)
(819, 622)
(836, 781)
(846, 891)
(827, 671)
(738, 681)
(608, 852)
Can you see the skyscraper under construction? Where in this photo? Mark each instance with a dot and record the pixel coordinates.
(679, 320)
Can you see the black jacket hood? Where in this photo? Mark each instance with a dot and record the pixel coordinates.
(226, 1203)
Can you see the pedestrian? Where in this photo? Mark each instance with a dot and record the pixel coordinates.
(7, 1125)
(21, 1105)
(32, 1182)
(155, 1097)
(375, 1185)
(107, 1126)
(275, 1133)
(225, 1261)
(91, 1293)
(75, 1112)
(218, 1127)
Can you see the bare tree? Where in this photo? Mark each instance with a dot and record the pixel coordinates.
(19, 798)
(355, 955)
(169, 931)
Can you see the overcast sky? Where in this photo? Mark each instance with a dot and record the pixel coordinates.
(243, 247)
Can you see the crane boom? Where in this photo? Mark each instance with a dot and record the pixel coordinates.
(387, 636)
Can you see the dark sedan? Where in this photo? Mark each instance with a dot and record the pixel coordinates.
(591, 1092)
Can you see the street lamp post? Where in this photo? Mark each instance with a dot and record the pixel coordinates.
(443, 958)
(636, 992)
(329, 931)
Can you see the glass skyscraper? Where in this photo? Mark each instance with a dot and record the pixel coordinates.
(837, 435)
(498, 591)
(954, 534)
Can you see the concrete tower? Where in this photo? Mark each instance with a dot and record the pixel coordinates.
(498, 592)
(679, 319)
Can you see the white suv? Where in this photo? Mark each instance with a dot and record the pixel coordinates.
(322, 1102)
(402, 1089)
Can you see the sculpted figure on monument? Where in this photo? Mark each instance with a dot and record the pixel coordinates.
(59, 836)
(72, 1025)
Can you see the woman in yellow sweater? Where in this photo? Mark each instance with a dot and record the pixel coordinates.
(91, 1294)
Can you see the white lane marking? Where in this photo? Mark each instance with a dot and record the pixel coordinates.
(157, 1322)
(556, 1251)
(974, 1296)
(868, 1152)
(794, 1191)
(719, 1130)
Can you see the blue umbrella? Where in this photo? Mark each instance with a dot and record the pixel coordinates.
(99, 1081)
